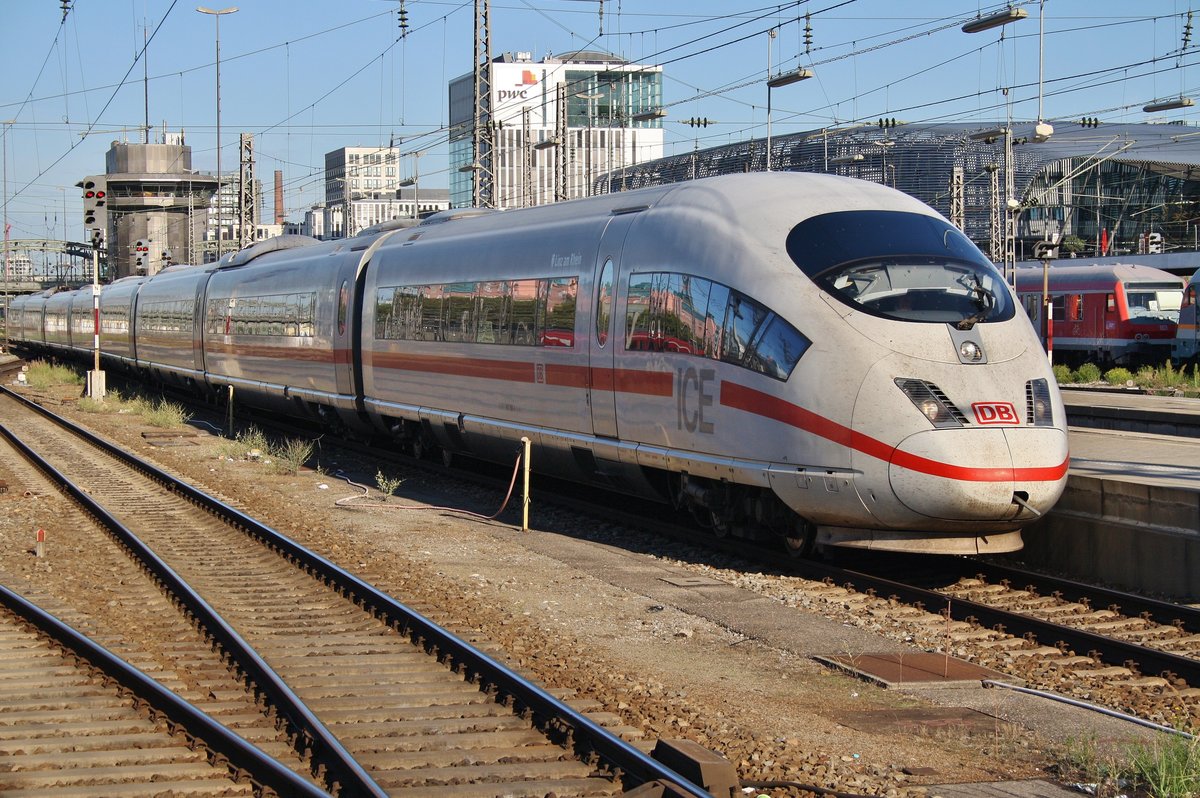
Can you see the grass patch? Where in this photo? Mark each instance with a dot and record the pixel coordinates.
(247, 444)
(44, 375)
(166, 415)
(112, 402)
(387, 485)
(1168, 767)
(290, 454)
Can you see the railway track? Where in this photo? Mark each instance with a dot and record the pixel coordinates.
(1133, 653)
(75, 720)
(376, 698)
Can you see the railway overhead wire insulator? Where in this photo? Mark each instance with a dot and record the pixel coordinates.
(808, 35)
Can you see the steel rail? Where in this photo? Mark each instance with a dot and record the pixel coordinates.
(242, 757)
(1047, 633)
(1163, 612)
(342, 769)
(549, 713)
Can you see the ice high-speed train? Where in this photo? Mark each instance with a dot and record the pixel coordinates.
(822, 359)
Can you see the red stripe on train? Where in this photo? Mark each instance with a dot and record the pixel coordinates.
(749, 400)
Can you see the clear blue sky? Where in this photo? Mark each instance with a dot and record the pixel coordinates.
(309, 76)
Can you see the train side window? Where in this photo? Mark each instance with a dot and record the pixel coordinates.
(714, 320)
(491, 313)
(308, 315)
(1058, 308)
(523, 312)
(405, 323)
(1031, 304)
(777, 350)
(559, 326)
(460, 311)
(637, 312)
(384, 312)
(693, 299)
(742, 319)
(431, 314)
(604, 300)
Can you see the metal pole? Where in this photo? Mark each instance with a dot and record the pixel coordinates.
(770, 37)
(7, 124)
(216, 14)
(526, 448)
(1047, 322)
(220, 198)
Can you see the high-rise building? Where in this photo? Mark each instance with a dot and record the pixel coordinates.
(360, 173)
(611, 119)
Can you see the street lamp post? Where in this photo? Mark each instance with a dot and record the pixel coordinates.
(216, 15)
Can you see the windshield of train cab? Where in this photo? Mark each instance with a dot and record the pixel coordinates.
(902, 266)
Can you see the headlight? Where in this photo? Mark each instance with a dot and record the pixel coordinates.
(932, 403)
(1039, 411)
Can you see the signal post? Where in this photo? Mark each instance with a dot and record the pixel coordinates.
(95, 218)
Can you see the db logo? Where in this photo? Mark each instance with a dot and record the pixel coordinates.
(995, 413)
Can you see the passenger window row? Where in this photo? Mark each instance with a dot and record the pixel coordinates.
(279, 315)
(680, 313)
(174, 316)
(114, 320)
(531, 312)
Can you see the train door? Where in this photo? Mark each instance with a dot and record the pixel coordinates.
(1112, 320)
(605, 338)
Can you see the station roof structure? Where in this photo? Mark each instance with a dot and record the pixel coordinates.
(1086, 176)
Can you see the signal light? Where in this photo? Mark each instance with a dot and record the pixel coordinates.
(95, 202)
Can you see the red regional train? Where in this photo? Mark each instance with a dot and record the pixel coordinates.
(1187, 335)
(1107, 314)
(819, 359)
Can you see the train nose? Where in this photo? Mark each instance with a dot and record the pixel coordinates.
(980, 474)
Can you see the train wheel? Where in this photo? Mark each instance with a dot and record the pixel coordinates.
(719, 524)
(801, 541)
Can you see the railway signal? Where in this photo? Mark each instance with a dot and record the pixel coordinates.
(141, 253)
(95, 203)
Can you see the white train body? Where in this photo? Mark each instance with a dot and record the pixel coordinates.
(815, 356)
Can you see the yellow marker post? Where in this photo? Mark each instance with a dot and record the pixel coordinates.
(525, 467)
